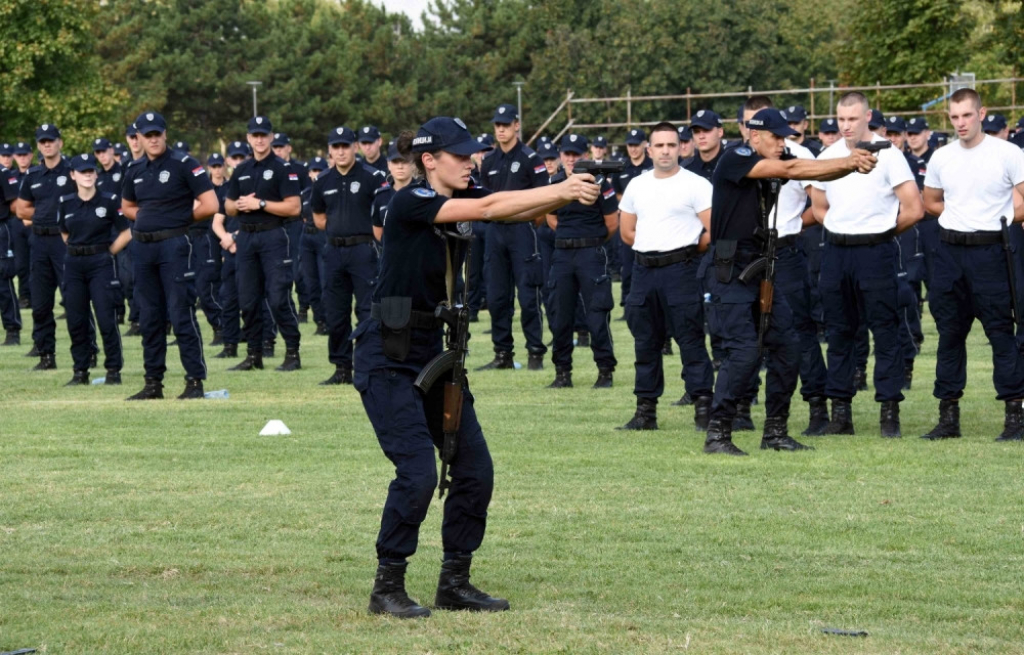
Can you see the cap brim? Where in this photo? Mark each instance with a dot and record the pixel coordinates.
(468, 147)
(146, 129)
(577, 150)
(782, 131)
(334, 142)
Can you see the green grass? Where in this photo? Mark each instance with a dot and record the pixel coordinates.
(171, 527)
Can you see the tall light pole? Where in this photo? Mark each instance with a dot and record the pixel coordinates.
(254, 84)
(519, 101)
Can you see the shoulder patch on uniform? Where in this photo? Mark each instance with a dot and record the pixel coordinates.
(744, 151)
(424, 193)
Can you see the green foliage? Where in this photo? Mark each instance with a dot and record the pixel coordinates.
(51, 73)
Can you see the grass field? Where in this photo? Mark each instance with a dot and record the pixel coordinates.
(172, 527)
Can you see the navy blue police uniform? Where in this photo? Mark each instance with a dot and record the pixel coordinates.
(546, 150)
(619, 182)
(740, 206)
(478, 255)
(513, 258)
(165, 188)
(579, 271)
(293, 224)
(22, 235)
(311, 257)
(10, 314)
(265, 252)
(90, 273)
(125, 267)
(231, 324)
(369, 134)
(44, 187)
(350, 256)
(209, 261)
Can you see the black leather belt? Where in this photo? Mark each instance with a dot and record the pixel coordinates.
(82, 251)
(984, 238)
(44, 231)
(658, 260)
(788, 241)
(159, 235)
(860, 239)
(417, 320)
(290, 219)
(310, 229)
(578, 243)
(344, 242)
(259, 227)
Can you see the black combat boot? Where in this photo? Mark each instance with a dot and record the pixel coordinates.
(268, 349)
(79, 378)
(303, 315)
(218, 338)
(563, 379)
(251, 361)
(389, 597)
(742, 422)
(908, 375)
(719, 439)
(193, 390)
(113, 377)
(583, 339)
(13, 338)
(230, 351)
(291, 362)
(342, 375)
(842, 418)
(93, 362)
(819, 417)
(34, 352)
(1013, 424)
(133, 330)
(667, 348)
(321, 329)
(153, 390)
(949, 422)
(47, 362)
(889, 419)
(684, 401)
(702, 413)
(536, 362)
(646, 416)
(776, 436)
(860, 379)
(502, 360)
(604, 378)
(454, 592)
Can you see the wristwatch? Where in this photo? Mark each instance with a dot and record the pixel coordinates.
(263, 204)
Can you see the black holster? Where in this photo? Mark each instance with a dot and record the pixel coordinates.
(395, 328)
(725, 258)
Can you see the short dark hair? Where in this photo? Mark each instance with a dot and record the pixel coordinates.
(665, 126)
(853, 98)
(960, 95)
(404, 145)
(754, 103)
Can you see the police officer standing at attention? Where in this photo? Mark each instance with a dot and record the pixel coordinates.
(862, 214)
(20, 232)
(39, 197)
(208, 253)
(109, 174)
(369, 146)
(125, 266)
(262, 192)
(796, 116)
(663, 216)
(88, 220)
(513, 258)
(828, 132)
(160, 194)
(686, 148)
(282, 147)
(579, 270)
(637, 162)
(226, 229)
(10, 313)
(312, 250)
(404, 335)
(342, 204)
(745, 188)
(969, 186)
(400, 175)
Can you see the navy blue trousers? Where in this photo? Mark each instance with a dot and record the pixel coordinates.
(312, 261)
(625, 257)
(349, 272)
(971, 282)
(208, 274)
(126, 274)
(580, 275)
(793, 281)
(813, 242)
(662, 302)
(263, 265)
(93, 280)
(514, 265)
(477, 269)
(294, 229)
(47, 276)
(408, 428)
(859, 283)
(21, 239)
(231, 323)
(733, 315)
(10, 313)
(165, 290)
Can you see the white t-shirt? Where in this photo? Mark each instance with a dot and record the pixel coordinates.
(977, 183)
(666, 209)
(793, 197)
(865, 204)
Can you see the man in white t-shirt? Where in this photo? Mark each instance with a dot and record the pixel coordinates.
(863, 214)
(969, 186)
(664, 216)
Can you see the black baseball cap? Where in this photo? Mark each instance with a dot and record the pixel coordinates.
(86, 162)
(150, 121)
(771, 120)
(259, 125)
(576, 143)
(447, 134)
(341, 134)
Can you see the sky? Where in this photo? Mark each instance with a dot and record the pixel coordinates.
(412, 8)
